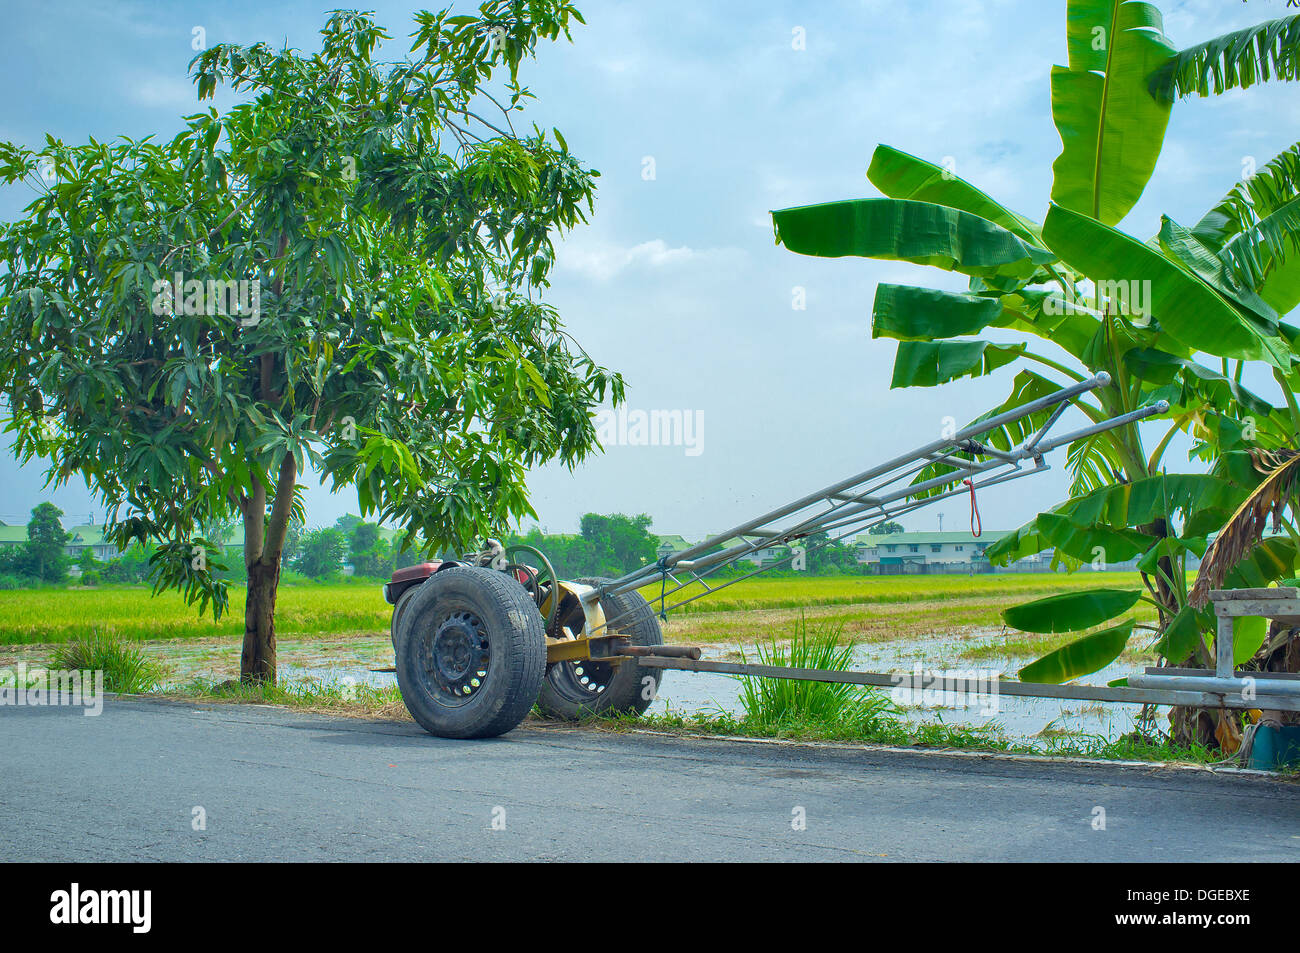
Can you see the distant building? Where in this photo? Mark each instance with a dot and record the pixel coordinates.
(83, 536)
(91, 536)
(671, 544)
(955, 552)
(759, 557)
(906, 553)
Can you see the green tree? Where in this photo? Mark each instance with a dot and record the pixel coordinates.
(366, 551)
(1101, 300)
(346, 523)
(131, 566)
(45, 554)
(321, 553)
(292, 539)
(343, 270)
(617, 543)
(886, 528)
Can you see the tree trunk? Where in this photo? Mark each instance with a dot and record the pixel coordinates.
(257, 663)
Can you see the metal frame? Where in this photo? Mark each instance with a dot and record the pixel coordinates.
(1275, 691)
(877, 495)
(891, 489)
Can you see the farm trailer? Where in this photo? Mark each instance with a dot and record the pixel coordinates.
(479, 640)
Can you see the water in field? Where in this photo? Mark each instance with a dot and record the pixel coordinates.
(1020, 718)
(352, 659)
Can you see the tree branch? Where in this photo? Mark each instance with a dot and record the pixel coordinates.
(281, 510)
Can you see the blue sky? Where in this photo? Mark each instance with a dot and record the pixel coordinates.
(677, 281)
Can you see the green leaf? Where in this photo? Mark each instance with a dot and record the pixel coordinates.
(1088, 543)
(1182, 245)
(1171, 547)
(1069, 611)
(1248, 634)
(1266, 257)
(1232, 61)
(919, 232)
(1081, 657)
(1187, 308)
(1272, 559)
(1143, 500)
(1069, 326)
(1271, 186)
(1160, 367)
(1111, 127)
(1181, 637)
(903, 176)
(928, 363)
(924, 314)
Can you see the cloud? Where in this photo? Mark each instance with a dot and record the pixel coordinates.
(602, 261)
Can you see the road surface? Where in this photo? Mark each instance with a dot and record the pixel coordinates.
(149, 780)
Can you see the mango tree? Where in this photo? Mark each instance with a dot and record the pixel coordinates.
(1177, 316)
(343, 271)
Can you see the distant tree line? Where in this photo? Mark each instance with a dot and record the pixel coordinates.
(605, 546)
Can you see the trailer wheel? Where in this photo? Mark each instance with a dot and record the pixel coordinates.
(574, 689)
(402, 604)
(471, 653)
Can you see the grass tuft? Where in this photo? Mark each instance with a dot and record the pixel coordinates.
(780, 702)
(126, 666)
(332, 697)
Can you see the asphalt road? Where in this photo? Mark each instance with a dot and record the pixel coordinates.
(277, 785)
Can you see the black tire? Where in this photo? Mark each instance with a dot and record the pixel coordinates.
(471, 653)
(573, 690)
(403, 602)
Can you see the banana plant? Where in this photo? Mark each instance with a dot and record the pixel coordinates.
(1177, 316)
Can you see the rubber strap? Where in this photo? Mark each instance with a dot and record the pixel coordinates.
(976, 526)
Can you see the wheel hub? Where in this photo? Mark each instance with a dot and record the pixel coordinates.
(456, 648)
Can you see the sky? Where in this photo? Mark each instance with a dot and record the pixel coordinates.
(702, 118)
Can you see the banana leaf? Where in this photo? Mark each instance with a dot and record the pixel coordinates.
(925, 314)
(903, 176)
(918, 232)
(1081, 657)
(1182, 636)
(929, 363)
(1111, 127)
(1070, 611)
(1087, 543)
(1186, 307)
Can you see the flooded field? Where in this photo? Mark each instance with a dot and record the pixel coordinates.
(351, 659)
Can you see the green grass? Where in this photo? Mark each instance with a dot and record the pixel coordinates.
(884, 728)
(773, 702)
(126, 667)
(786, 593)
(894, 732)
(46, 615)
(58, 615)
(311, 695)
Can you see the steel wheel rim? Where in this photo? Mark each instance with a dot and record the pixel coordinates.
(454, 657)
(582, 681)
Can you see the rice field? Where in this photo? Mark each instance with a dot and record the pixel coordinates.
(892, 605)
(57, 615)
